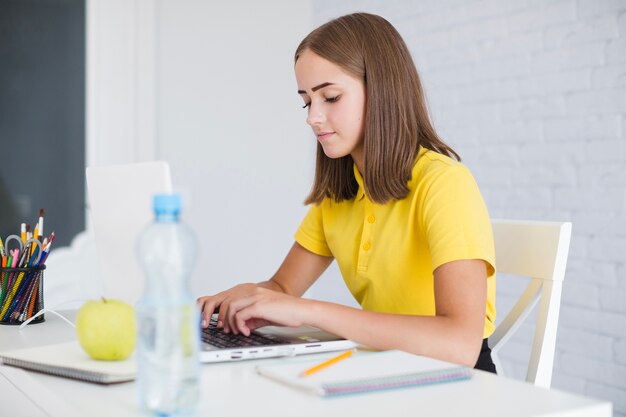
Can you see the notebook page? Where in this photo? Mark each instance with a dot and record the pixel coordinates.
(365, 372)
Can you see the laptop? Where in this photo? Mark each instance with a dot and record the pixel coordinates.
(120, 198)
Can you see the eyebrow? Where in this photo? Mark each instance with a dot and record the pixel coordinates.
(317, 87)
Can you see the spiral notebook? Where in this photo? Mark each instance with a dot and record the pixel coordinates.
(367, 372)
(70, 361)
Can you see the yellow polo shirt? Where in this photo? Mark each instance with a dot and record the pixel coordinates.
(387, 253)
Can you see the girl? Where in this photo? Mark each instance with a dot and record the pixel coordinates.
(390, 202)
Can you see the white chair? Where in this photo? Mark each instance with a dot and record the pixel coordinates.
(537, 250)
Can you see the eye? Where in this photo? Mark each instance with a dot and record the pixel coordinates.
(332, 99)
(306, 105)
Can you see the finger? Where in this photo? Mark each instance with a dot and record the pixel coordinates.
(223, 314)
(235, 307)
(246, 314)
(201, 302)
(208, 306)
(249, 318)
(230, 317)
(241, 325)
(207, 312)
(216, 311)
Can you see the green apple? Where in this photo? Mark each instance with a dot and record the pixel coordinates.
(107, 329)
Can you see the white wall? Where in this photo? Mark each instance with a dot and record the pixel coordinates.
(209, 87)
(532, 94)
(231, 124)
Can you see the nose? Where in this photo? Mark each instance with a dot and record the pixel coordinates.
(315, 118)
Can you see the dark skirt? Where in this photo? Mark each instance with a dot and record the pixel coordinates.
(484, 362)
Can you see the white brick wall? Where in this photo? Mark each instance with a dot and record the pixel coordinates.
(532, 94)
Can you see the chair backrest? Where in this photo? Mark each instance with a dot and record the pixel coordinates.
(537, 250)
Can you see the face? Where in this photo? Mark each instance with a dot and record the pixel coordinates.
(335, 105)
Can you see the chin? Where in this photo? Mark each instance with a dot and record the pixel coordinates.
(334, 153)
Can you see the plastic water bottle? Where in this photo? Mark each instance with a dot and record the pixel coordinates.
(168, 320)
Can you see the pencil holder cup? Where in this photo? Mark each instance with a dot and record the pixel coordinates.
(21, 294)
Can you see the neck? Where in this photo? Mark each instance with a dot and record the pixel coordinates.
(357, 157)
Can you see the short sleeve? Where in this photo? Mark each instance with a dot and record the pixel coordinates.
(455, 218)
(310, 234)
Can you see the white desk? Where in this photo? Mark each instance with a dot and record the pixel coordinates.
(234, 389)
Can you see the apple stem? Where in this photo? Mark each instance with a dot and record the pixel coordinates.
(103, 299)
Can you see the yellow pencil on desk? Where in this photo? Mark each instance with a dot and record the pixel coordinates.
(326, 364)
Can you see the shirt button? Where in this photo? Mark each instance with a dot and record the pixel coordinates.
(371, 218)
(367, 246)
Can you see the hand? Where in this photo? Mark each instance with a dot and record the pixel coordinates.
(223, 300)
(262, 307)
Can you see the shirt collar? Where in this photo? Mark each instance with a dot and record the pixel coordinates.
(359, 179)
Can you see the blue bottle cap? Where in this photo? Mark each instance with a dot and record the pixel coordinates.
(167, 203)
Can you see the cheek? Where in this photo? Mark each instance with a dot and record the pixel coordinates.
(349, 116)
(360, 123)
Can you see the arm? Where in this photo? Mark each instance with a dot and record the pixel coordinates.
(300, 269)
(453, 334)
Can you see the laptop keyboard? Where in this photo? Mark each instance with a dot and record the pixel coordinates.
(216, 337)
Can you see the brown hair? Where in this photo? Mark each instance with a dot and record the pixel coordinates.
(396, 118)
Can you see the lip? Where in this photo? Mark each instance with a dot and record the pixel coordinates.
(324, 135)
